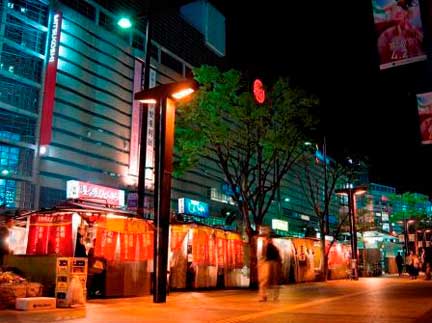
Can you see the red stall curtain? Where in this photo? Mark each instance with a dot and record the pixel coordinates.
(234, 250)
(177, 235)
(221, 247)
(50, 234)
(135, 235)
(200, 246)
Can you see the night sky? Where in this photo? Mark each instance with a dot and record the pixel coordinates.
(329, 48)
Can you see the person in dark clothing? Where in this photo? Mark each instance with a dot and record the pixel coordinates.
(399, 263)
(80, 250)
(269, 271)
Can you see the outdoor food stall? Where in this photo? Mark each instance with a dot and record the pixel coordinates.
(301, 259)
(106, 248)
(205, 257)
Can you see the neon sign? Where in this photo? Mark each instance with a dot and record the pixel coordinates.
(54, 38)
(259, 91)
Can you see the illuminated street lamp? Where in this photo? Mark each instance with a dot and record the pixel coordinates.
(125, 23)
(164, 96)
(352, 192)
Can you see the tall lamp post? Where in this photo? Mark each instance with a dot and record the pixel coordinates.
(127, 23)
(406, 223)
(164, 97)
(352, 192)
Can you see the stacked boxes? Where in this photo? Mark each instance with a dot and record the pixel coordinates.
(66, 268)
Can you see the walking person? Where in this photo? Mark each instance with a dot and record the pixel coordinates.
(399, 264)
(269, 271)
(410, 265)
(416, 266)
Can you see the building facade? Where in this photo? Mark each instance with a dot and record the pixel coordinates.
(68, 75)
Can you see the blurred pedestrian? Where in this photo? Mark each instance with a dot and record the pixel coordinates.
(399, 263)
(269, 271)
(410, 264)
(5, 231)
(416, 266)
(428, 272)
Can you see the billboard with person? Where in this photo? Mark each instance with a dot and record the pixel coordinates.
(399, 32)
(424, 106)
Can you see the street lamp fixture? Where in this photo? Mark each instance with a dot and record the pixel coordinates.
(124, 23)
(164, 96)
(352, 192)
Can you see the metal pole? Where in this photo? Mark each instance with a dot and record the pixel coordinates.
(405, 221)
(353, 231)
(165, 119)
(326, 202)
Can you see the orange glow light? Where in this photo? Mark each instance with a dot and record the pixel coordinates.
(360, 192)
(182, 93)
(148, 101)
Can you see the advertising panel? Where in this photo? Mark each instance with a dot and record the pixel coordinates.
(424, 106)
(399, 31)
(192, 207)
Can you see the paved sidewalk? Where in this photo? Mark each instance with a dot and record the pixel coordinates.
(378, 300)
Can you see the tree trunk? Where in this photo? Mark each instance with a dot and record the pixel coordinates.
(253, 283)
(324, 260)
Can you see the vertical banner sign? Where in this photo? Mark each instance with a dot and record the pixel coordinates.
(399, 31)
(38, 235)
(135, 121)
(60, 237)
(424, 106)
(106, 244)
(150, 145)
(50, 235)
(128, 242)
(50, 81)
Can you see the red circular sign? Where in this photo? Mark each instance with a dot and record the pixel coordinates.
(259, 92)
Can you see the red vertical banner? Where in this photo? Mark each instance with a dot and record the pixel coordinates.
(230, 252)
(109, 244)
(142, 250)
(127, 246)
(212, 252)
(60, 236)
(50, 81)
(37, 243)
(100, 231)
(177, 236)
(145, 241)
(50, 234)
(220, 248)
(238, 253)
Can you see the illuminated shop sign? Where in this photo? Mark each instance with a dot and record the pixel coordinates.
(305, 217)
(279, 225)
(54, 38)
(192, 207)
(96, 193)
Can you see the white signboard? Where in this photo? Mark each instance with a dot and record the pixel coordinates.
(95, 193)
(279, 225)
(150, 145)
